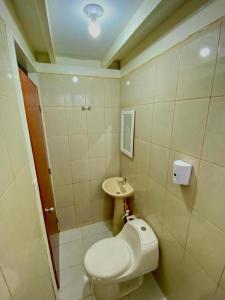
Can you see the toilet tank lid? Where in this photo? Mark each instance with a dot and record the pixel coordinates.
(145, 232)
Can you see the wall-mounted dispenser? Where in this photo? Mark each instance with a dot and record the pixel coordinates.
(181, 172)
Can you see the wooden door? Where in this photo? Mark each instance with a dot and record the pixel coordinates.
(37, 137)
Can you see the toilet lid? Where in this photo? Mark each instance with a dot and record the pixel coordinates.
(107, 258)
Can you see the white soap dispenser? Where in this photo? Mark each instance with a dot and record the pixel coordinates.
(181, 172)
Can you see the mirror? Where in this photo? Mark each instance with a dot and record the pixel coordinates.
(127, 132)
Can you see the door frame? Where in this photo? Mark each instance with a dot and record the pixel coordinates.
(12, 42)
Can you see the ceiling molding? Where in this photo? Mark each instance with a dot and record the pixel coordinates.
(78, 62)
(76, 70)
(42, 11)
(135, 22)
(202, 18)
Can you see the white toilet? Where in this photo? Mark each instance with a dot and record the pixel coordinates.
(115, 266)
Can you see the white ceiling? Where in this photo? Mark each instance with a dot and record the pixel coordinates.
(69, 26)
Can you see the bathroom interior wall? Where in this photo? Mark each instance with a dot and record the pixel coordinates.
(24, 267)
(83, 145)
(179, 98)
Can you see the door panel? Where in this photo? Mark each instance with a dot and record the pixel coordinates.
(37, 137)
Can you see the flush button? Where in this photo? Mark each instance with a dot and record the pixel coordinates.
(143, 228)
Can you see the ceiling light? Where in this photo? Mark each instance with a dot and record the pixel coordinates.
(128, 82)
(204, 52)
(93, 12)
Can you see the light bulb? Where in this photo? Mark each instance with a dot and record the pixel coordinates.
(94, 28)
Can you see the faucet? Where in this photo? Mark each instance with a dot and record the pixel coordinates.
(124, 181)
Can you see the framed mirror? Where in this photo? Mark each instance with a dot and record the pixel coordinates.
(127, 132)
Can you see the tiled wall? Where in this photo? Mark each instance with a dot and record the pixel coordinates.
(179, 99)
(24, 268)
(83, 145)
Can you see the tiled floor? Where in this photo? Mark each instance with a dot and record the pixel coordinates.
(74, 283)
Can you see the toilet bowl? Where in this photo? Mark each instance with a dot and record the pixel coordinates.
(115, 266)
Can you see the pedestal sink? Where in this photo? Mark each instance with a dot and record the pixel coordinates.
(118, 188)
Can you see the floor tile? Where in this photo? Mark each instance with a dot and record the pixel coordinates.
(74, 284)
(148, 291)
(71, 254)
(69, 235)
(93, 229)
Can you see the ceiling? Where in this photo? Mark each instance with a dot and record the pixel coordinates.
(57, 30)
(70, 32)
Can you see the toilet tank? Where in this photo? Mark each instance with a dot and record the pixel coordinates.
(144, 244)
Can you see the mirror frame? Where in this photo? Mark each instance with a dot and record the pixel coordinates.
(123, 150)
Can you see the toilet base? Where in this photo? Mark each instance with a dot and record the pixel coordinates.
(115, 291)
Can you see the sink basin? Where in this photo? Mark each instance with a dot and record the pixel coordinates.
(115, 187)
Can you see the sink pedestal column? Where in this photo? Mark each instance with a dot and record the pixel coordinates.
(118, 215)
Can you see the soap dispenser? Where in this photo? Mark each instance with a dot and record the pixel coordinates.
(181, 172)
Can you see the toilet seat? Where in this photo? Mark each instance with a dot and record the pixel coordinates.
(108, 258)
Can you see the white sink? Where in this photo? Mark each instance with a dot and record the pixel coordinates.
(115, 187)
(119, 189)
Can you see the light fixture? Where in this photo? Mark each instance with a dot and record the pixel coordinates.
(128, 82)
(204, 52)
(93, 12)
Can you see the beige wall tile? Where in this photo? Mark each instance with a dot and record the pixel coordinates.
(66, 216)
(58, 149)
(97, 168)
(184, 192)
(55, 121)
(171, 256)
(177, 217)
(63, 195)
(78, 146)
(97, 145)
(218, 87)
(159, 160)
(112, 120)
(167, 75)
(112, 92)
(189, 126)
(210, 194)
(96, 190)
(143, 122)
(112, 166)
(155, 200)
(193, 282)
(220, 294)
(74, 91)
(112, 144)
(214, 142)
(198, 58)
(6, 172)
(80, 170)
(142, 84)
(222, 282)
(96, 121)
(162, 123)
(52, 90)
(82, 192)
(206, 244)
(76, 121)
(95, 92)
(61, 173)
(11, 125)
(84, 214)
(4, 292)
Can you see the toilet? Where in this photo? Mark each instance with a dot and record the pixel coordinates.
(115, 266)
